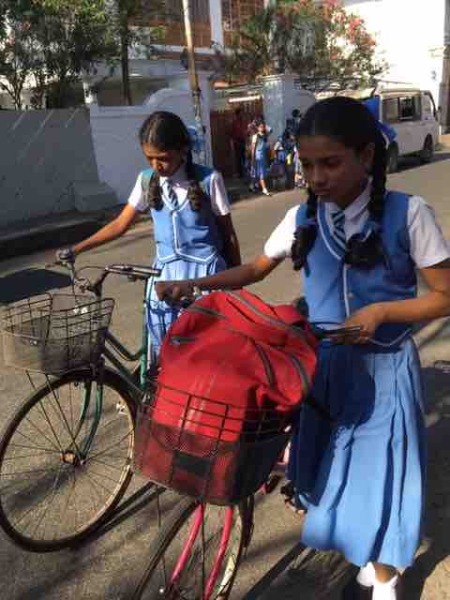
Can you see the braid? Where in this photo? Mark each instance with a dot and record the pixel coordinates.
(311, 204)
(305, 235)
(378, 191)
(154, 199)
(195, 193)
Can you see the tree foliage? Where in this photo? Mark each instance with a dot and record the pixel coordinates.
(50, 44)
(322, 43)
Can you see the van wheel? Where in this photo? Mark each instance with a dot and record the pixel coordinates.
(392, 158)
(427, 152)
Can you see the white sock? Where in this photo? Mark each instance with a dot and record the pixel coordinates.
(385, 591)
(366, 575)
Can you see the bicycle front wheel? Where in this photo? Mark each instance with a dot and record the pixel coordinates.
(197, 552)
(66, 460)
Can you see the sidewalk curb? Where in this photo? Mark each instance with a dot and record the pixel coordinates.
(65, 229)
(50, 232)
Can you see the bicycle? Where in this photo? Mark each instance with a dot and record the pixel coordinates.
(66, 456)
(197, 552)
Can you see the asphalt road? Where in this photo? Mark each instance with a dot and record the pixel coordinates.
(276, 566)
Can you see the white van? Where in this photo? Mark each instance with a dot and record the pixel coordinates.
(412, 114)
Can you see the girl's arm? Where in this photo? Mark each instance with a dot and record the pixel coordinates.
(230, 279)
(432, 305)
(109, 232)
(231, 250)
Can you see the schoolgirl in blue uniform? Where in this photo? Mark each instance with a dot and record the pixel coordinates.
(193, 230)
(361, 478)
(260, 156)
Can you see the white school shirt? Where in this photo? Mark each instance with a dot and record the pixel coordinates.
(428, 245)
(220, 204)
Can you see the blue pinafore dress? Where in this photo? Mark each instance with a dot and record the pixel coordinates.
(188, 245)
(361, 477)
(261, 166)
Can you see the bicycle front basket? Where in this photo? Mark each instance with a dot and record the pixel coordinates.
(54, 333)
(206, 449)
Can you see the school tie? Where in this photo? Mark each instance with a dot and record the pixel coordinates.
(338, 218)
(171, 195)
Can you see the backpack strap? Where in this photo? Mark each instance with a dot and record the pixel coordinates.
(146, 177)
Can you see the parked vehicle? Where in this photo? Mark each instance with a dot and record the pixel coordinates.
(411, 113)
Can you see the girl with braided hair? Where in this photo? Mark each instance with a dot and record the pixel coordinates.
(359, 477)
(193, 230)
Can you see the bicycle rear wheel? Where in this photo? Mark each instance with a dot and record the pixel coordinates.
(66, 460)
(195, 543)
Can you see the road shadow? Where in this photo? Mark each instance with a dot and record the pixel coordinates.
(407, 163)
(30, 282)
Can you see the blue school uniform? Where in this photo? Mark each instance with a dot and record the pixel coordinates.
(188, 245)
(261, 166)
(362, 477)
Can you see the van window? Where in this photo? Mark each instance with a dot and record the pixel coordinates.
(409, 108)
(390, 110)
(428, 106)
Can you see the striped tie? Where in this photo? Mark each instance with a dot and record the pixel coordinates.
(339, 231)
(171, 195)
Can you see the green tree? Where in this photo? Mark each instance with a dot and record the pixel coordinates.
(74, 36)
(141, 13)
(20, 62)
(116, 35)
(321, 43)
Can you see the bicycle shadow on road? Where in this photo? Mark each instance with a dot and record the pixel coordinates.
(437, 523)
(30, 282)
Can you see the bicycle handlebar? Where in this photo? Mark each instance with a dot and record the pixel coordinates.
(132, 272)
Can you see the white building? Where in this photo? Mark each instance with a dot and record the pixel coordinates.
(411, 37)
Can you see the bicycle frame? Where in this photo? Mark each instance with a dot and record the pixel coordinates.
(113, 348)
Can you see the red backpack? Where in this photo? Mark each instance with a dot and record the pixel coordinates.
(227, 362)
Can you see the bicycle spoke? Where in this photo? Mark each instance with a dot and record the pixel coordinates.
(56, 448)
(38, 504)
(19, 457)
(65, 423)
(104, 476)
(100, 484)
(127, 435)
(51, 426)
(53, 493)
(101, 462)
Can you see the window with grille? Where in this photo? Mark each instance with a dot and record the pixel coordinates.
(199, 10)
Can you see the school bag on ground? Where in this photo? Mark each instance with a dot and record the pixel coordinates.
(233, 371)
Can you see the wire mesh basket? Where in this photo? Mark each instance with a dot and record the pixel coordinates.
(54, 333)
(209, 450)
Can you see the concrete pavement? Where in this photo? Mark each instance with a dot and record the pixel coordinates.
(275, 567)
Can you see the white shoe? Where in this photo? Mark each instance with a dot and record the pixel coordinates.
(366, 576)
(385, 591)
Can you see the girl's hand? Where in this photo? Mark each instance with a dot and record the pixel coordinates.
(369, 319)
(173, 291)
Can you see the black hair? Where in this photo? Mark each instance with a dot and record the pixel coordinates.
(351, 123)
(166, 131)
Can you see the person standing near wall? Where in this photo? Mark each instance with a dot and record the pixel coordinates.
(260, 158)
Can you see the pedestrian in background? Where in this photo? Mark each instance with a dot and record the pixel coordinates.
(259, 152)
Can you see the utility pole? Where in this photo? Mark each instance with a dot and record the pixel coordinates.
(195, 89)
